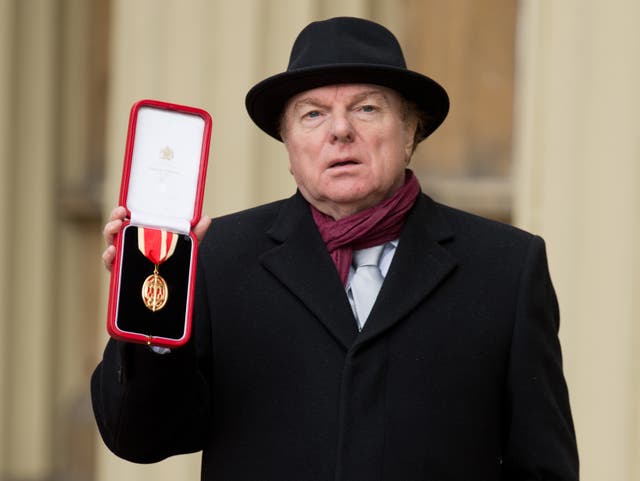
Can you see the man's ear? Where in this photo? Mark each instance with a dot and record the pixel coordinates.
(284, 141)
(410, 143)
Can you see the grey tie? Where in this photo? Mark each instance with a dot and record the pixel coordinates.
(366, 281)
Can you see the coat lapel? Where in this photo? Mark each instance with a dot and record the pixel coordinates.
(301, 262)
(419, 265)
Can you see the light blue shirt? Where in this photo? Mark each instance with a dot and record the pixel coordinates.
(386, 257)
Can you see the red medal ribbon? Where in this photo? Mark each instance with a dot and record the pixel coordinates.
(157, 245)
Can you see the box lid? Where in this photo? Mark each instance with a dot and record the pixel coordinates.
(165, 165)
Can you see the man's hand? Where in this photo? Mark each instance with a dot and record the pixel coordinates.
(114, 224)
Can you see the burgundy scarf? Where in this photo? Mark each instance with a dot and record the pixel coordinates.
(374, 226)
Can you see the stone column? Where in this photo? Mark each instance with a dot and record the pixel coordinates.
(577, 158)
(6, 84)
(27, 171)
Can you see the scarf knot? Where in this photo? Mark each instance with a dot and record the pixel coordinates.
(373, 226)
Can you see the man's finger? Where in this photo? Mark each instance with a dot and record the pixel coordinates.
(114, 224)
(108, 256)
(110, 230)
(118, 213)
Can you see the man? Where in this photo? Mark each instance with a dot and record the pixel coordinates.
(451, 370)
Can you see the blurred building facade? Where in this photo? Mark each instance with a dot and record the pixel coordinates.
(543, 133)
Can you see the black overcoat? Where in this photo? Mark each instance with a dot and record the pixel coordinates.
(457, 374)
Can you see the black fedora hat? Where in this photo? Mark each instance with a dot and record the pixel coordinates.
(345, 50)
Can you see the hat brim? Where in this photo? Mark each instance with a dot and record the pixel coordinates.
(265, 102)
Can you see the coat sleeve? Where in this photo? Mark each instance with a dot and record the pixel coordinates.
(540, 441)
(150, 406)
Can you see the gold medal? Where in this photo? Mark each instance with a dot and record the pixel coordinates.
(155, 291)
(157, 246)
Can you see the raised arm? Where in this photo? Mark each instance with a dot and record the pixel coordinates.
(149, 406)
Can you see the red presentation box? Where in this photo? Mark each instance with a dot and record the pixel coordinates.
(163, 179)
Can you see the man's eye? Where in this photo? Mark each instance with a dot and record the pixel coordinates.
(368, 108)
(312, 114)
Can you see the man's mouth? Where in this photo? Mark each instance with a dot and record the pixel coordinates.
(342, 163)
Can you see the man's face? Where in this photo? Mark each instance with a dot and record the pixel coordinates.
(348, 145)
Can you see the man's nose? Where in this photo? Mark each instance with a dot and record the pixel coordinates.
(341, 128)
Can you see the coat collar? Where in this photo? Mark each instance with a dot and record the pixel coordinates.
(420, 262)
